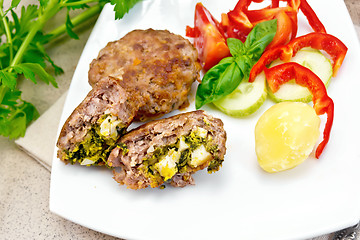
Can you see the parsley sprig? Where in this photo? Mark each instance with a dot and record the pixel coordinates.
(22, 52)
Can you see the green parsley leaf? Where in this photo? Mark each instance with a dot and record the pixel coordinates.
(122, 7)
(4, 55)
(16, 20)
(15, 3)
(8, 79)
(43, 3)
(30, 69)
(26, 21)
(26, 71)
(69, 26)
(15, 115)
(33, 55)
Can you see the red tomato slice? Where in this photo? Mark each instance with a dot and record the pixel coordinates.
(284, 30)
(208, 38)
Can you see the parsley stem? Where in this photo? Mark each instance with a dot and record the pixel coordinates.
(8, 32)
(51, 9)
(70, 4)
(82, 17)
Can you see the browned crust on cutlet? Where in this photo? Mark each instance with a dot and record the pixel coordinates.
(157, 66)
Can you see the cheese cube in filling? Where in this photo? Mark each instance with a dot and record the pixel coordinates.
(108, 127)
(200, 156)
(167, 165)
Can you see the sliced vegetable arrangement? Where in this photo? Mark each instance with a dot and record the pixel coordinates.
(307, 74)
(303, 76)
(223, 79)
(316, 62)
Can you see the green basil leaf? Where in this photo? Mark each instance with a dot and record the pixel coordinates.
(224, 77)
(245, 63)
(261, 35)
(219, 81)
(236, 47)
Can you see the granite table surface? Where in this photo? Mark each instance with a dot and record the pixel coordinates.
(24, 183)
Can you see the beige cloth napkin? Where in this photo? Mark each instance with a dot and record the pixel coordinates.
(40, 137)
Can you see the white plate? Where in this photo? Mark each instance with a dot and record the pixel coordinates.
(240, 201)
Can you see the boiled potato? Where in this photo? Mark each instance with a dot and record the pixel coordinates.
(285, 135)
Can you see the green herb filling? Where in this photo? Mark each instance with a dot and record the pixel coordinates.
(95, 148)
(166, 161)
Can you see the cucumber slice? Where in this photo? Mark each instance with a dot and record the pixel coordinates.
(245, 99)
(316, 62)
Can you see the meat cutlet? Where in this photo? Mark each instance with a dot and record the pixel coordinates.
(157, 66)
(169, 149)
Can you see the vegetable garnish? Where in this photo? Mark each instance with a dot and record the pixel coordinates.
(285, 135)
(240, 27)
(321, 41)
(208, 38)
(314, 21)
(224, 78)
(22, 52)
(239, 22)
(303, 76)
(312, 59)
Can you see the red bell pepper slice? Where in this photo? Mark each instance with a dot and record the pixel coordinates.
(239, 26)
(303, 76)
(274, 3)
(304, 6)
(265, 13)
(321, 41)
(239, 22)
(236, 23)
(295, 4)
(311, 16)
(208, 38)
